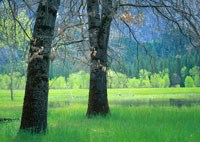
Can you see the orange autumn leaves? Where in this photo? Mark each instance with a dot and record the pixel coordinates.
(132, 19)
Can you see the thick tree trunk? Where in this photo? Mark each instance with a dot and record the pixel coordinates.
(34, 115)
(99, 27)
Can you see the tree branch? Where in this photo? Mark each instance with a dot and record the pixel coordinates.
(18, 20)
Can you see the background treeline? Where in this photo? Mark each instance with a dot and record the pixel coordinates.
(80, 80)
(167, 55)
(171, 51)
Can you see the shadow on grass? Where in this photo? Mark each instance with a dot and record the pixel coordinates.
(134, 102)
(27, 136)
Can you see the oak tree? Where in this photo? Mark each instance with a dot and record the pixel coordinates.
(34, 115)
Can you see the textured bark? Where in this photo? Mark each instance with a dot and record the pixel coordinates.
(99, 27)
(34, 115)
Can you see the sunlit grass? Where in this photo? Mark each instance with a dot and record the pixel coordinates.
(150, 91)
(127, 123)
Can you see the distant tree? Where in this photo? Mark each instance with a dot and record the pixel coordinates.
(194, 71)
(13, 39)
(178, 69)
(58, 83)
(195, 74)
(34, 114)
(166, 81)
(197, 80)
(144, 78)
(181, 16)
(175, 79)
(133, 83)
(4, 81)
(189, 82)
(116, 80)
(78, 80)
(184, 72)
(156, 81)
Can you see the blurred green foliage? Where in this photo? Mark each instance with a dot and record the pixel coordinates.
(80, 80)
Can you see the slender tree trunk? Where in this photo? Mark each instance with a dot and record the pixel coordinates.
(99, 28)
(11, 78)
(11, 87)
(11, 67)
(34, 115)
(11, 84)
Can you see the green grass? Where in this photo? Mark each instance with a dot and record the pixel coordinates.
(143, 123)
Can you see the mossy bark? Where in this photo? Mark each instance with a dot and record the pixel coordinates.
(99, 28)
(34, 115)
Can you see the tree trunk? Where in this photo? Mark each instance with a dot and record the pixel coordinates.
(11, 67)
(11, 87)
(11, 79)
(34, 115)
(99, 28)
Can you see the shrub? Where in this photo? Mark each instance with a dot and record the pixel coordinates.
(166, 80)
(145, 83)
(4, 81)
(78, 80)
(18, 81)
(58, 82)
(133, 83)
(189, 82)
(184, 72)
(194, 71)
(144, 78)
(156, 81)
(116, 80)
(197, 80)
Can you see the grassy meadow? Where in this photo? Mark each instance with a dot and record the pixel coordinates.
(137, 115)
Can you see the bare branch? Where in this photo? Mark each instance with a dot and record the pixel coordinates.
(18, 20)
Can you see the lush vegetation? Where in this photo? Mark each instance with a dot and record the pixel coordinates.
(165, 61)
(67, 120)
(125, 124)
(80, 80)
